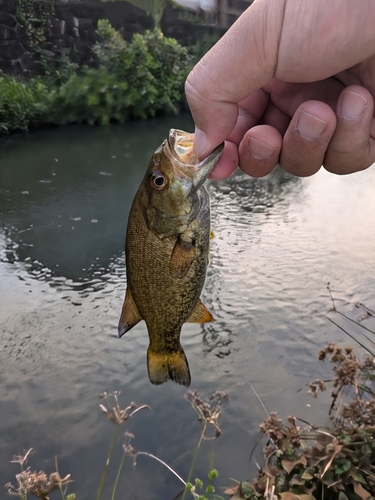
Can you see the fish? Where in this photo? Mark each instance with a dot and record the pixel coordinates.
(167, 253)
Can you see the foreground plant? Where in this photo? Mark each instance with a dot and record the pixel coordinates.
(208, 412)
(309, 463)
(37, 483)
(116, 415)
(353, 325)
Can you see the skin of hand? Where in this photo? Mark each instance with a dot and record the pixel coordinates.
(292, 83)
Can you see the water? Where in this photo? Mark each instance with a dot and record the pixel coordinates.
(64, 201)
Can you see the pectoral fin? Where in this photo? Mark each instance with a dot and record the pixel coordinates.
(200, 314)
(129, 315)
(182, 257)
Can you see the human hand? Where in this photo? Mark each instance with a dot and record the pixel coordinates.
(292, 83)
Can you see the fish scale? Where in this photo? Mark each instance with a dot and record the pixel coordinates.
(167, 254)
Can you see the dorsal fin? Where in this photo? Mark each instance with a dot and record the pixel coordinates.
(129, 315)
(200, 314)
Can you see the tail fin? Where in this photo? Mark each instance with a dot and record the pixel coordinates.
(162, 367)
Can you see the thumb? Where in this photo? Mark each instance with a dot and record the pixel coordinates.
(241, 62)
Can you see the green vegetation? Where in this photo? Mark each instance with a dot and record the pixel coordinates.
(40, 485)
(137, 79)
(23, 105)
(305, 462)
(35, 16)
(301, 461)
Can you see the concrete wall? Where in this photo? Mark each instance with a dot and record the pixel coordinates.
(74, 28)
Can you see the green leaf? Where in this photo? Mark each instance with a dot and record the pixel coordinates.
(358, 478)
(246, 489)
(342, 466)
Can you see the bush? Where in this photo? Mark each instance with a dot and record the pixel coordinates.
(136, 79)
(155, 67)
(57, 66)
(22, 104)
(95, 96)
(173, 64)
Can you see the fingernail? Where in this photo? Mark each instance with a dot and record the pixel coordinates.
(309, 126)
(260, 150)
(200, 143)
(352, 105)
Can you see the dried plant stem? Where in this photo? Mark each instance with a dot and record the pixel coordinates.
(259, 399)
(60, 486)
(148, 455)
(330, 294)
(370, 312)
(197, 449)
(105, 471)
(359, 324)
(352, 336)
(118, 476)
(164, 463)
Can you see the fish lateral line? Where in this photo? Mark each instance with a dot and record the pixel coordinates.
(167, 246)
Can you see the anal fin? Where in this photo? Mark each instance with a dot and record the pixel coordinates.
(200, 314)
(129, 315)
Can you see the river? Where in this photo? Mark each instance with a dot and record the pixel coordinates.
(65, 195)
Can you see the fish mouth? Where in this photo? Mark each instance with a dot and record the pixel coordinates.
(179, 149)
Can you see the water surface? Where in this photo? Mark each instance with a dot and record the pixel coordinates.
(65, 195)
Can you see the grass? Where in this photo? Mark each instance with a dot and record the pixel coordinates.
(302, 461)
(306, 462)
(40, 485)
(37, 483)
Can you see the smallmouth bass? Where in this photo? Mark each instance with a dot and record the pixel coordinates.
(167, 247)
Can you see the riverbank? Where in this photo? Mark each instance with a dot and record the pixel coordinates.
(129, 80)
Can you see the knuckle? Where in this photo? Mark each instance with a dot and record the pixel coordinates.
(342, 160)
(296, 166)
(194, 95)
(338, 164)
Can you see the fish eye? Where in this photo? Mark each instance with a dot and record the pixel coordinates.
(158, 180)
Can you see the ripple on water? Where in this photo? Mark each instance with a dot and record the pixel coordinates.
(277, 242)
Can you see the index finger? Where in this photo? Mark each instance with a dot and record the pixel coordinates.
(239, 64)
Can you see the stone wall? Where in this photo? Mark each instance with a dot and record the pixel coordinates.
(73, 28)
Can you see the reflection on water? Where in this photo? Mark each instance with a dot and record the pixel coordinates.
(64, 200)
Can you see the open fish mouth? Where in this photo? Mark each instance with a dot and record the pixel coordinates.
(179, 149)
